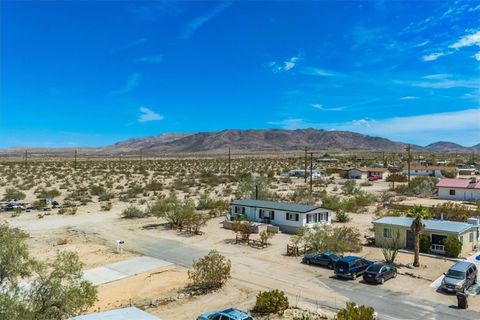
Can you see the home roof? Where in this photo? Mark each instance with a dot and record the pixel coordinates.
(430, 225)
(370, 169)
(459, 183)
(302, 208)
(429, 168)
(118, 314)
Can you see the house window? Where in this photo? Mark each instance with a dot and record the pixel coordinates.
(470, 237)
(272, 215)
(260, 213)
(236, 209)
(451, 192)
(292, 216)
(297, 216)
(387, 233)
(308, 218)
(461, 239)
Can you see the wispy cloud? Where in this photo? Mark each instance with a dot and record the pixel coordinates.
(134, 43)
(313, 71)
(149, 59)
(321, 107)
(409, 98)
(472, 39)
(287, 65)
(477, 56)
(132, 83)
(147, 115)
(445, 81)
(433, 56)
(189, 29)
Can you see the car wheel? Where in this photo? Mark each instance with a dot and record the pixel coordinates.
(307, 261)
(354, 276)
(395, 274)
(330, 266)
(382, 280)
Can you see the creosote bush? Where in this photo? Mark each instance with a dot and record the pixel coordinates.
(210, 272)
(270, 302)
(133, 212)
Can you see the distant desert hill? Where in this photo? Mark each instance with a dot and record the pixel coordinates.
(268, 140)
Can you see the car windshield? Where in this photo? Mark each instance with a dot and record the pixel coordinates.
(343, 265)
(374, 268)
(334, 257)
(456, 274)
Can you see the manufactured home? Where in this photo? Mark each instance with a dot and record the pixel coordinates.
(289, 217)
(459, 189)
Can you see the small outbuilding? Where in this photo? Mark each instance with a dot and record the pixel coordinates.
(118, 314)
(365, 173)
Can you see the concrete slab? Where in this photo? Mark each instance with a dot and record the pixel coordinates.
(130, 313)
(123, 269)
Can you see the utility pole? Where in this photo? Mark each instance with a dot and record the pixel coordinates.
(305, 164)
(229, 161)
(311, 172)
(409, 159)
(75, 160)
(26, 157)
(256, 192)
(141, 158)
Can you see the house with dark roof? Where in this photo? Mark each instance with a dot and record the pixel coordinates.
(387, 228)
(289, 217)
(459, 189)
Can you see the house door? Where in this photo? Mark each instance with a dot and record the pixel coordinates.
(410, 240)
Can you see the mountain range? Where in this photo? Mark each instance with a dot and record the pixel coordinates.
(267, 140)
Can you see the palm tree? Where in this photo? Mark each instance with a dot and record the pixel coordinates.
(417, 228)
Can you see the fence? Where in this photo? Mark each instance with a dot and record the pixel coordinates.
(297, 251)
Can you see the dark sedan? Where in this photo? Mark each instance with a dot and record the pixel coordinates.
(326, 259)
(379, 273)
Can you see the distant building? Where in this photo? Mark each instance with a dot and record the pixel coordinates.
(365, 173)
(426, 171)
(437, 230)
(289, 217)
(459, 189)
(467, 171)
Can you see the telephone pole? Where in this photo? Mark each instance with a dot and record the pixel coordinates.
(75, 160)
(311, 172)
(141, 157)
(305, 164)
(229, 161)
(26, 157)
(409, 159)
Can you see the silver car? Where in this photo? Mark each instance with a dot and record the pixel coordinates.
(460, 277)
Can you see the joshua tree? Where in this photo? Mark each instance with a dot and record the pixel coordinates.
(417, 228)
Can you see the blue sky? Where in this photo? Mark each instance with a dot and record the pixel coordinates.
(92, 73)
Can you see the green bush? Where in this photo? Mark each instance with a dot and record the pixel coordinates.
(12, 193)
(354, 312)
(133, 213)
(269, 302)
(453, 247)
(342, 216)
(425, 243)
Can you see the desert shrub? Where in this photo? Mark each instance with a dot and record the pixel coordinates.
(242, 227)
(96, 190)
(452, 211)
(342, 216)
(419, 186)
(265, 236)
(453, 247)
(107, 206)
(302, 194)
(133, 212)
(72, 210)
(48, 194)
(154, 186)
(354, 312)
(177, 212)
(449, 173)
(321, 238)
(210, 272)
(269, 302)
(250, 186)
(106, 196)
(350, 187)
(425, 243)
(12, 193)
(390, 248)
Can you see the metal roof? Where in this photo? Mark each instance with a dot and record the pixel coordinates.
(471, 183)
(430, 225)
(118, 314)
(301, 208)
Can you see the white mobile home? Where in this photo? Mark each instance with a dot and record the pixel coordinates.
(459, 189)
(287, 216)
(426, 171)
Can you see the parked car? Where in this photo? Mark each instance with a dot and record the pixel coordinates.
(326, 259)
(227, 314)
(379, 273)
(351, 267)
(460, 277)
(373, 178)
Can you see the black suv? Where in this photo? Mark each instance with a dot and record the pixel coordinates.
(351, 267)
